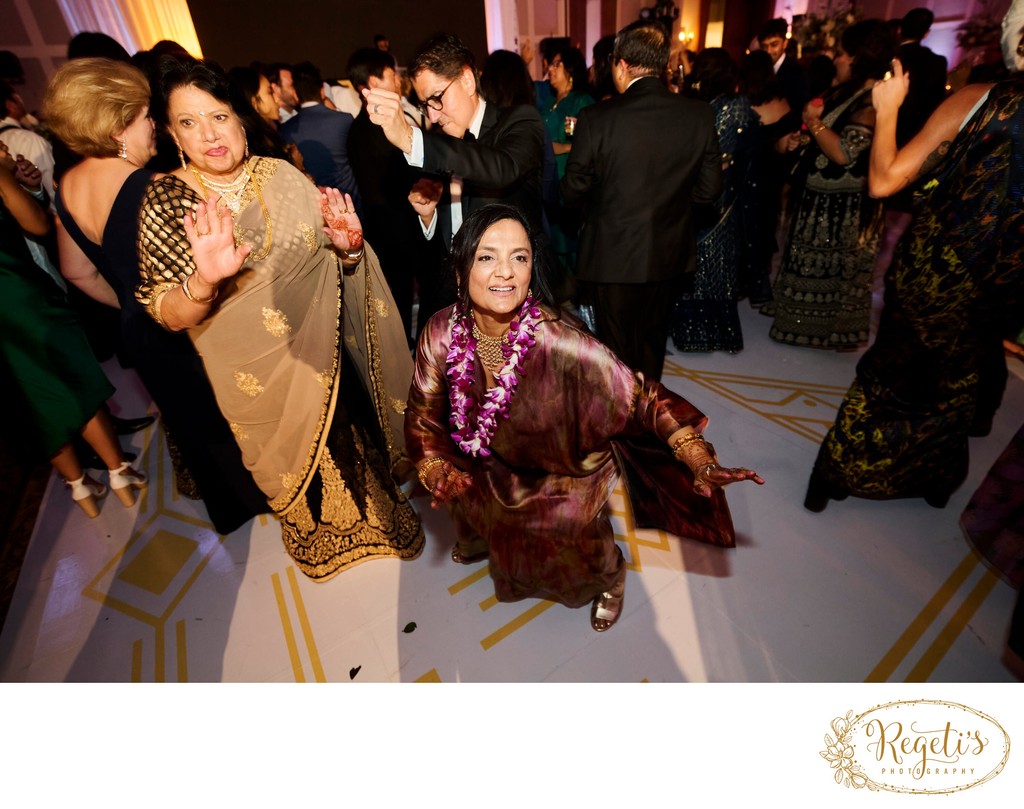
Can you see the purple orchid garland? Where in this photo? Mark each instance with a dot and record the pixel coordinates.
(461, 356)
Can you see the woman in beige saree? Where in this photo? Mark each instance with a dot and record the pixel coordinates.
(288, 316)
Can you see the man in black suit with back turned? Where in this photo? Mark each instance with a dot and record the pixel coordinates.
(638, 164)
(927, 75)
(475, 153)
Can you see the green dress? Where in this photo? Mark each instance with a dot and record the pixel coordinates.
(56, 377)
(565, 222)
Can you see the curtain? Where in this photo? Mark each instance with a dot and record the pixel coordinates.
(136, 24)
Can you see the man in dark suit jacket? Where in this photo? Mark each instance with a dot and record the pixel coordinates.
(320, 133)
(791, 77)
(639, 161)
(927, 75)
(474, 154)
(384, 179)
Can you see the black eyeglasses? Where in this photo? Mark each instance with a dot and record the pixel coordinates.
(436, 101)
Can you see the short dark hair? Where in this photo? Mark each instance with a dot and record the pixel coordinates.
(549, 46)
(443, 55)
(273, 71)
(643, 44)
(7, 93)
(460, 260)
(173, 72)
(505, 81)
(95, 44)
(307, 81)
(757, 79)
(916, 23)
(872, 45)
(714, 71)
(367, 62)
(377, 38)
(773, 28)
(575, 65)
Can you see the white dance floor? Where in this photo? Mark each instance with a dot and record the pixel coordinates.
(864, 592)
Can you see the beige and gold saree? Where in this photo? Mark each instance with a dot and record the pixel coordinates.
(283, 379)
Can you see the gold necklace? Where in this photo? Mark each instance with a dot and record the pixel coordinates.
(488, 348)
(232, 192)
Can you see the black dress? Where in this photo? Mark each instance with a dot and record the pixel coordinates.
(171, 370)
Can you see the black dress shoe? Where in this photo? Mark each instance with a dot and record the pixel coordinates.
(820, 491)
(937, 500)
(129, 426)
(88, 458)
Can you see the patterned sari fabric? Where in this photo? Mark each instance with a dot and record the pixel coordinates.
(902, 429)
(823, 291)
(289, 391)
(705, 318)
(538, 502)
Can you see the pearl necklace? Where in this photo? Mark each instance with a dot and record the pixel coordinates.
(230, 192)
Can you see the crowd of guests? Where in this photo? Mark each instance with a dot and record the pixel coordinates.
(277, 245)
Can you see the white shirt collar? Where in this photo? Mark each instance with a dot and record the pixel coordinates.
(478, 119)
(778, 64)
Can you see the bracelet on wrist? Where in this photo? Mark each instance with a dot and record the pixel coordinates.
(354, 255)
(679, 447)
(193, 298)
(425, 468)
(815, 131)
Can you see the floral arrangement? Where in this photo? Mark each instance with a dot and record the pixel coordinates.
(824, 29)
(473, 427)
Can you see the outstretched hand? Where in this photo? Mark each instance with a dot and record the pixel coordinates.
(343, 227)
(446, 482)
(712, 476)
(210, 229)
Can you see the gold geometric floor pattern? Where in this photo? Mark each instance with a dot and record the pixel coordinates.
(805, 408)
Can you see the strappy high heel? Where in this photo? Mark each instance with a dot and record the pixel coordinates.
(86, 493)
(125, 481)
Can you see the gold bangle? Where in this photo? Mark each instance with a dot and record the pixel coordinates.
(817, 131)
(355, 255)
(193, 298)
(680, 444)
(425, 468)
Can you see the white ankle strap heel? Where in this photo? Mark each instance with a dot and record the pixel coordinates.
(125, 481)
(86, 492)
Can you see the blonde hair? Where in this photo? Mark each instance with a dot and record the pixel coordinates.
(88, 100)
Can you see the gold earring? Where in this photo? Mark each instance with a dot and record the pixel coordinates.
(122, 150)
(181, 157)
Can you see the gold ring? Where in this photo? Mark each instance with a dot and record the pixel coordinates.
(887, 76)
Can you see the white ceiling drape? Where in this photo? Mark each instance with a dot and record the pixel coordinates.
(136, 24)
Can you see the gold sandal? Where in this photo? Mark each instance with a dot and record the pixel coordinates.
(459, 559)
(607, 608)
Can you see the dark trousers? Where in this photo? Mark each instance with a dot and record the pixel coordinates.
(633, 321)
